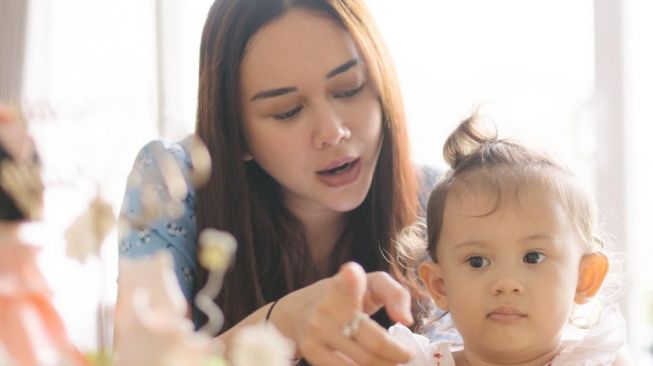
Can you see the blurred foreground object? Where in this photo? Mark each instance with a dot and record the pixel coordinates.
(32, 332)
(86, 235)
(217, 250)
(152, 319)
(151, 322)
(21, 187)
(261, 345)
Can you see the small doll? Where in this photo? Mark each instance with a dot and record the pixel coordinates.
(32, 333)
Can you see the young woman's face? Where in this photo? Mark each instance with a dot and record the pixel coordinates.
(311, 116)
(510, 276)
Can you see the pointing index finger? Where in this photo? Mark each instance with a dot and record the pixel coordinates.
(383, 290)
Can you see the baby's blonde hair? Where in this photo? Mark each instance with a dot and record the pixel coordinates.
(479, 160)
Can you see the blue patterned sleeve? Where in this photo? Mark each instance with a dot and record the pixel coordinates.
(178, 235)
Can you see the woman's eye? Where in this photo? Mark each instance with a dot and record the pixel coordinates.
(477, 261)
(351, 92)
(287, 115)
(534, 257)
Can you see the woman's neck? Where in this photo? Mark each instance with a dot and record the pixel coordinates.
(467, 357)
(323, 228)
(322, 235)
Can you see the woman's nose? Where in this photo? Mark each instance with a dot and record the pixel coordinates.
(330, 128)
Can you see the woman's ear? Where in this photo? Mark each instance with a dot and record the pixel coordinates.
(247, 154)
(431, 275)
(593, 269)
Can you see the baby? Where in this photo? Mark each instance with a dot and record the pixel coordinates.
(514, 246)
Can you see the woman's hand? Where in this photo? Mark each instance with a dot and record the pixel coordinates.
(315, 318)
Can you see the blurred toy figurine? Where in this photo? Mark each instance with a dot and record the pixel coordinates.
(31, 331)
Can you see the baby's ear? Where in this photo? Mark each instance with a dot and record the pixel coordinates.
(431, 275)
(593, 269)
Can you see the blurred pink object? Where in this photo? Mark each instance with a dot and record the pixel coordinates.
(32, 331)
(151, 324)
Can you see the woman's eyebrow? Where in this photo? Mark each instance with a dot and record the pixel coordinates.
(289, 89)
(273, 93)
(344, 67)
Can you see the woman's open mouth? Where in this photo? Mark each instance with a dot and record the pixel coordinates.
(340, 175)
(338, 169)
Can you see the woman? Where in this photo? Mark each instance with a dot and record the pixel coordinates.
(300, 110)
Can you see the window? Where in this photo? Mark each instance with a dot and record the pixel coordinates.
(90, 89)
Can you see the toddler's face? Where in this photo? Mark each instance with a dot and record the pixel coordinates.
(508, 278)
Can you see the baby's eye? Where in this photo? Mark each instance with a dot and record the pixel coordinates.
(533, 257)
(477, 261)
(351, 92)
(289, 114)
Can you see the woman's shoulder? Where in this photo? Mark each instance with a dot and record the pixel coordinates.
(153, 154)
(160, 180)
(427, 176)
(158, 209)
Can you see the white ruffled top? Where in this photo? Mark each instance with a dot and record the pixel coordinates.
(597, 346)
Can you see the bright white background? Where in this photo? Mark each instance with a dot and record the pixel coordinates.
(103, 78)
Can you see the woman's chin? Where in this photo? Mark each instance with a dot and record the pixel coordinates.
(346, 202)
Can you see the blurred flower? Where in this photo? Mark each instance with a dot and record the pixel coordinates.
(86, 235)
(261, 345)
(216, 249)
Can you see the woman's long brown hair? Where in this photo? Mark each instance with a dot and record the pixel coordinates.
(272, 258)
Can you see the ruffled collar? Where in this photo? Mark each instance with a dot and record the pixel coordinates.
(596, 346)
